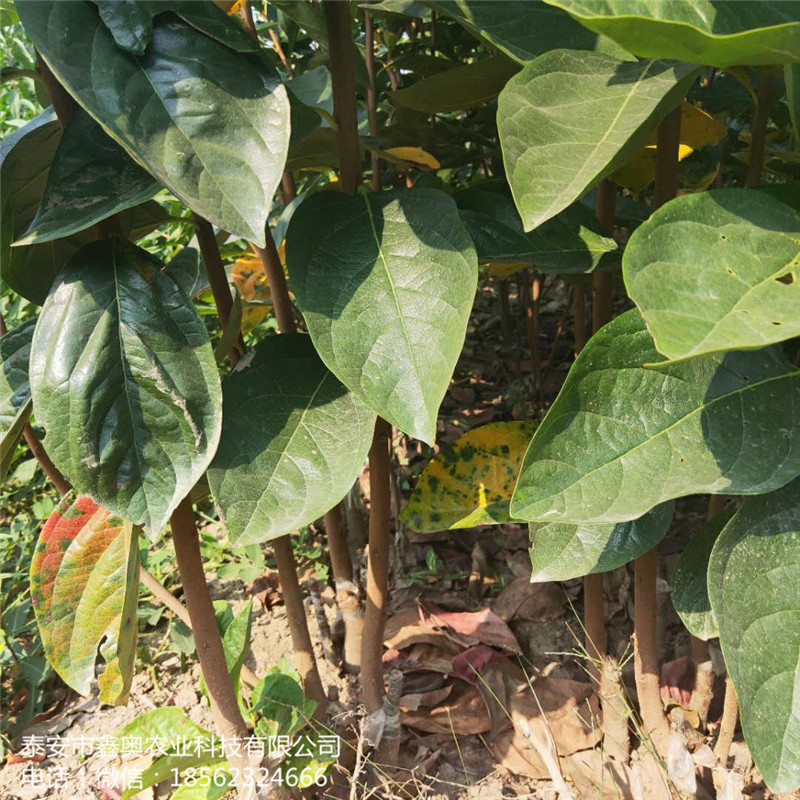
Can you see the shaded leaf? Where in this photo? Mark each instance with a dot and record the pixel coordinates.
(188, 270)
(131, 402)
(471, 481)
(716, 271)
(562, 550)
(613, 103)
(91, 177)
(294, 440)
(791, 79)
(85, 588)
(622, 437)
(689, 585)
(386, 283)
(702, 31)
(15, 390)
(522, 29)
(754, 587)
(456, 89)
(171, 108)
(570, 242)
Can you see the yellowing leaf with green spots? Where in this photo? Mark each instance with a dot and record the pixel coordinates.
(471, 482)
(698, 129)
(84, 589)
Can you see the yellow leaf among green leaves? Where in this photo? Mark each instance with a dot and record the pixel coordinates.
(251, 281)
(505, 269)
(698, 129)
(471, 482)
(412, 155)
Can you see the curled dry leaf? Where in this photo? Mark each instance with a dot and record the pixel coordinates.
(537, 602)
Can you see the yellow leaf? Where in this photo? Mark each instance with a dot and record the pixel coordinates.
(698, 129)
(414, 155)
(504, 269)
(470, 482)
(230, 7)
(251, 281)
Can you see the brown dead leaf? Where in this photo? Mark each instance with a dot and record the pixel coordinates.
(474, 627)
(416, 700)
(464, 713)
(407, 627)
(536, 602)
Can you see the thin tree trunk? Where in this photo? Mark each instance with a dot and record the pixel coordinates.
(758, 128)
(372, 97)
(40, 454)
(727, 727)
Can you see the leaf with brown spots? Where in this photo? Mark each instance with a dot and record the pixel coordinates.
(84, 588)
(471, 482)
(251, 281)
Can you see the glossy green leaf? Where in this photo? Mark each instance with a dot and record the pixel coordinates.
(293, 441)
(613, 104)
(720, 34)
(522, 29)
(622, 437)
(15, 390)
(188, 270)
(131, 22)
(386, 283)
(171, 108)
(91, 177)
(754, 586)
(571, 242)
(124, 382)
(561, 550)
(689, 584)
(460, 88)
(470, 482)
(236, 643)
(84, 589)
(717, 271)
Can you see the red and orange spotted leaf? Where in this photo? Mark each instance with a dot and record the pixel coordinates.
(470, 482)
(84, 587)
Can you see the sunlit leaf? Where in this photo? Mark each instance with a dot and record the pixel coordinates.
(414, 155)
(470, 482)
(84, 589)
(251, 281)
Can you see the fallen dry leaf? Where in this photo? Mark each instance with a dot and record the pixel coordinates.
(474, 627)
(464, 713)
(536, 602)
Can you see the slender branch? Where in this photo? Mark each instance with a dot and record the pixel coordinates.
(276, 278)
(289, 187)
(727, 727)
(372, 97)
(765, 97)
(345, 109)
(37, 448)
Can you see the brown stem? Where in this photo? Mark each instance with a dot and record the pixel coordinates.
(602, 282)
(505, 310)
(345, 109)
(727, 727)
(372, 97)
(530, 306)
(289, 187)
(49, 468)
(278, 289)
(224, 703)
(217, 279)
(377, 567)
(616, 738)
(758, 129)
(346, 590)
(594, 622)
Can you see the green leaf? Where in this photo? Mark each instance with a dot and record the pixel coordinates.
(131, 22)
(571, 242)
(15, 390)
(215, 789)
(523, 29)
(754, 586)
(91, 177)
(716, 271)
(293, 441)
(236, 643)
(720, 34)
(188, 270)
(561, 551)
(386, 283)
(689, 585)
(791, 79)
(471, 482)
(279, 705)
(460, 88)
(614, 104)
(124, 382)
(172, 108)
(85, 588)
(622, 437)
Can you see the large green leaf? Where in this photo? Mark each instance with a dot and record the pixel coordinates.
(470, 483)
(717, 271)
(84, 589)
(211, 124)
(91, 177)
(124, 382)
(523, 29)
(572, 241)
(15, 390)
(562, 550)
(689, 585)
(293, 441)
(386, 283)
(131, 22)
(754, 586)
(720, 34)
(612, 104)
(622, 437)
(456, 89)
